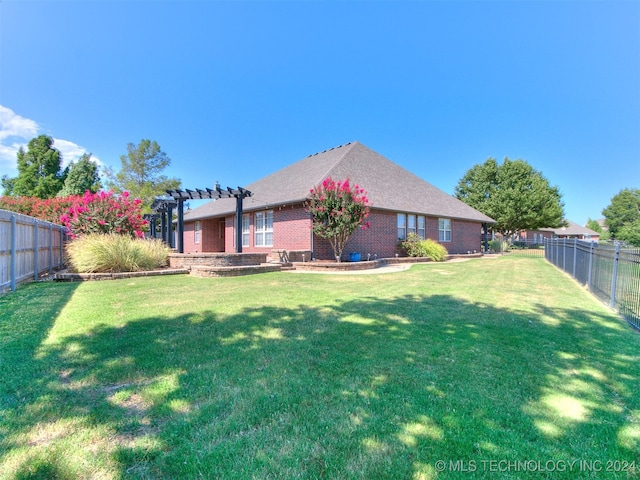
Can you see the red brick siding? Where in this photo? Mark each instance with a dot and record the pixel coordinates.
(380, 239)
(465, 237)
(210, 236)
(292, 228)
(291, 231)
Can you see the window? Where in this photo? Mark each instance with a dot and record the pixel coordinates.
(444, 230)
(264, 229)
(402, 226)
(246, 220)
(196, 232)
(421, 228)
(411, 224)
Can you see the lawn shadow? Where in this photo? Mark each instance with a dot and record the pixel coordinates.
(26, 317)
(360, 389)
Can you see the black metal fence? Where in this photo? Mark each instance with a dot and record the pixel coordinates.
(610, 272)
(528, 248)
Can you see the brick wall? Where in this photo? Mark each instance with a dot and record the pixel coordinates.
(292, 228)
(380, 239)
(465, 237)
(291, 231)
(211, 236)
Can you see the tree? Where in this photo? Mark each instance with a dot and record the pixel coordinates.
(82, 176)
(39, 171)
(514, 194)
(596, 227)
(337, 209)
(141, 173)
(622, 216)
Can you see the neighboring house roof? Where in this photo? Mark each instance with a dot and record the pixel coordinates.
(388, 186)
(572, 229)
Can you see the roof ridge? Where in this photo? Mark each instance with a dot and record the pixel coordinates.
(340, 159)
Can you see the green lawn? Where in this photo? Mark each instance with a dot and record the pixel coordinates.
(495, 366)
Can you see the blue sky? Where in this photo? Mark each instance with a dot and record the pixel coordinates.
(233, 91)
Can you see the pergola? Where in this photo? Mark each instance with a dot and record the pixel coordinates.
(216, 193)
(162, 210)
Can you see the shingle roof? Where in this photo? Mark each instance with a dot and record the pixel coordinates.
(572, 229)
(388, 186)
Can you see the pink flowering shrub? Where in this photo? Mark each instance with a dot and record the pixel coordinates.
(105, 213)
(49, 209)
(337, 209)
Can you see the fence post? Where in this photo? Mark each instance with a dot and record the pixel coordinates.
(614, 275)
(50, 248)
(13, 254)
(591, 253)
(575, 255)
(36, 251)
(61, 231)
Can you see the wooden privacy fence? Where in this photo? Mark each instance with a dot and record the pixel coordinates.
(28, 247)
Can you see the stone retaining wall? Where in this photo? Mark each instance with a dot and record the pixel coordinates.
(206, 271)
(188, 260)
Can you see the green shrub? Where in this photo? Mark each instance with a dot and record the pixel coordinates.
(496, 246)
(434, 250)
(95, 253)
(414, 246)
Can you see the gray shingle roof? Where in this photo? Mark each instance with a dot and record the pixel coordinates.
(572, 229)
(388, 186)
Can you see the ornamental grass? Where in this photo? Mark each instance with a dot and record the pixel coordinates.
(112, 253)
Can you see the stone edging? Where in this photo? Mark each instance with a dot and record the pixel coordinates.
(81, 277)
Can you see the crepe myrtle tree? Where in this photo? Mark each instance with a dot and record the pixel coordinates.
(337, 208)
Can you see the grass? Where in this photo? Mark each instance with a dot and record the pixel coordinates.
(287, 375)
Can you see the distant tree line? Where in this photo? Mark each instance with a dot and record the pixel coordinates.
(40, 173)
(518, 197)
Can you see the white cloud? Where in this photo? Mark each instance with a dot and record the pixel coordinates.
(13, 125)
(16, 131)
(71, 152)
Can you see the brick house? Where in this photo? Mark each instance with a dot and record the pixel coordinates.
(571, 230)
(274, 217)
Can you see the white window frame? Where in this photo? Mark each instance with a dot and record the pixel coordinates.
(412, 224)
(197, 228)
(444, 230)
(402, 226)
(263, 229)
(246, 226)
(422, 227)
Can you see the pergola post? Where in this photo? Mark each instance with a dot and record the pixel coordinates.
(170, 239)
(152, 226)
(180, 226)
(163, 227)
(238, 224)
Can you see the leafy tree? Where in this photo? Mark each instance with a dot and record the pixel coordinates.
(141, 173)
(82, 176)
(630, 233)
(337, 209)
(596, 227)
(514, 194)
(622, 216)
(39, 171)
